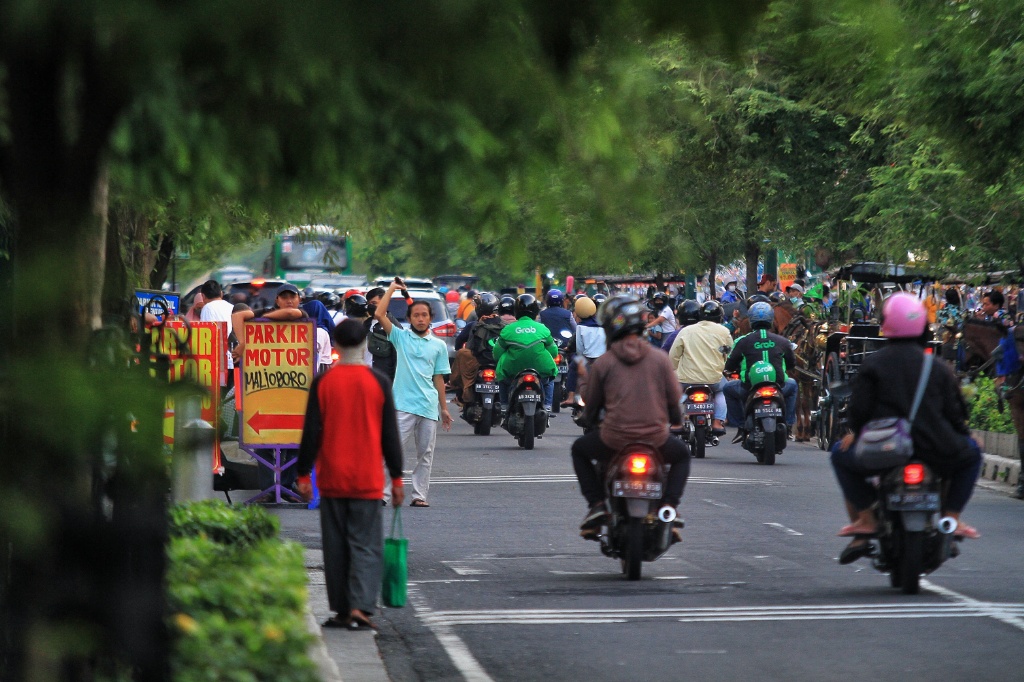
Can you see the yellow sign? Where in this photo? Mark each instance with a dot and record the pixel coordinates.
(277, 371)
(787, 274)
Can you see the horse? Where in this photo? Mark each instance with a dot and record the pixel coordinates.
(803, 332)
(977, 341)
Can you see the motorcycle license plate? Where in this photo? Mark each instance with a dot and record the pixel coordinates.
(487, 388)
(529, 398)
(768, 411)
(646, 490)
(563, 369)
(699, 408)
(913, 501)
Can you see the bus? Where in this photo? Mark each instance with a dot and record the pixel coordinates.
(301, 253)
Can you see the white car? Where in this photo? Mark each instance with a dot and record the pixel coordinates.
(442, 324)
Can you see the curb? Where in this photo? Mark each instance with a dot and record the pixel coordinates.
(1000, 469)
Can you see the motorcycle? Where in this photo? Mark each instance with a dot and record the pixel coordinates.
(562, 361)
(699, 410)
(526, 417)
(764, 422)
(485, 409)
(912, 538)
(637, 529)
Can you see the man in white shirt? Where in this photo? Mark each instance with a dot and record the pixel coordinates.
(217, 309)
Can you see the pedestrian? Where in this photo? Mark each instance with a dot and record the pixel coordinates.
(351, 434)
(385, 359)
(767, 284)
(419, 386)
(318, 312)
(196, 309)
(216, 309)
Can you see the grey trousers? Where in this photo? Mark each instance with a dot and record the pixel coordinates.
(353, 541)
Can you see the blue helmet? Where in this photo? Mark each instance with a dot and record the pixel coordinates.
(761, 315)
(555, 298)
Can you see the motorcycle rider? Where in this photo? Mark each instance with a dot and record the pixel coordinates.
(687, 313)
(635, 385)
(590, 345)
(526, 344)
(760, 344)
(476, 351)
(664, 321)
(507, 308)
(884, 387)
(555, 316)
(697, 354)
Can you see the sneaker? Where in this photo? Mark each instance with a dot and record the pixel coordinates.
(596, 517)
(740, 435)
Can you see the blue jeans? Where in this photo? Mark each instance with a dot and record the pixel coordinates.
(547, 385)
(736, 394)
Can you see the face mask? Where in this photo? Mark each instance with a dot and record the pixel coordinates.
(731, 287)
(796, 300)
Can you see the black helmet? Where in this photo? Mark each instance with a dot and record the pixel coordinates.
(600, 298)
(620, 316)
(487, 304)
(329, 299)
(526, 305)
(308, 294)
(507, 305)
(712, 311)
(659, 301)
(757, 298)
(776, 297)
(355, 306)
(688, 313)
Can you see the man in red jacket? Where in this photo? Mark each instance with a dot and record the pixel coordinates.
(350, 430)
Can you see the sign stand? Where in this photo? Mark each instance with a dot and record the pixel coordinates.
(277, 468)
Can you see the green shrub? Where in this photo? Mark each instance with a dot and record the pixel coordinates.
(242, 526)
(984, 407)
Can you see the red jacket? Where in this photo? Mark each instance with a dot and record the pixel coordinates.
(350, 431)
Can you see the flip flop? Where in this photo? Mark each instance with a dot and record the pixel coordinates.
(335, 622)
(418, 503)
(852, 552)
(856, 532)
(360, 623)
(968, 532)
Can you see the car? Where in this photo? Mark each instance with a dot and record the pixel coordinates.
(419, 283)
(337, 283)
(442, 324)
(259, 293)
(232, 273)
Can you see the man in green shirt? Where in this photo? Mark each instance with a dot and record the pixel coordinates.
(525, 344)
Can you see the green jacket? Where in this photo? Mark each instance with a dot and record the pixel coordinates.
(525, 344)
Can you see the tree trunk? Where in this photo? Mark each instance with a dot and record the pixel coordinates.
(751, 254)
(713, 275)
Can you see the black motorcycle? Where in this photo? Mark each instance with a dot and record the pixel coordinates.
(485, 410)
(912, 538)
(699, 410)
(638, 530)
(564, 343)
(765, 422)
(526, 417)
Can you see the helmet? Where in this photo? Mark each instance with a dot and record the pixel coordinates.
(554, 298)
(527, 306)
(757, 298)
(621, 315)
(452, 297)
(442, 290)
(776, 297)
(330, 299)
(761, 316)
(308, 294)
(659, 300)
(507, 305)
(761, 372)
(712, 311)
(355, 306)
(600, 298)
(585, 308)
(903, 316)
(487, 304)
(688, 313)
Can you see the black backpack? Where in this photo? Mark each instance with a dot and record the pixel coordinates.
(479, 344)
(377, 341)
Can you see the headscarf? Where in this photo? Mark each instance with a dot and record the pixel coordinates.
(193, 312)
(318, 311)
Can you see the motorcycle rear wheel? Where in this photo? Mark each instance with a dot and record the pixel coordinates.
(911, 561)
(632, 561)
(699, 441)
(556, 404)
(483, 427)
(526, 439)
(768, 450)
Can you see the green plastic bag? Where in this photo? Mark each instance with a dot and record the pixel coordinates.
(396, 564)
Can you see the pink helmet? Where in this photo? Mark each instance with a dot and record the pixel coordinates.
(903, 316)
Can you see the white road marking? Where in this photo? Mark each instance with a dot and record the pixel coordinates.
(727, 614)
(571, 478)
(718, 504)
(700, 651)
(671, 577)
(579, 572)
(783, 528)
(456, 649)
(462, 569)
(444, 581)
(1010, 616)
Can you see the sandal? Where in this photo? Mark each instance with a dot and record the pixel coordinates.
(360, 622)
(336, 622)
(418, 503)
(853, 530)
(965, 531)
(855, 550)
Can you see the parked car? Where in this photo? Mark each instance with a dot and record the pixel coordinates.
(337, 283)
(230, 274)
(442, 324)
(419, 283)
(260, 293)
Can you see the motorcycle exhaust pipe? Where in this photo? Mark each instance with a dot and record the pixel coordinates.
(667, 514)
(947, 525)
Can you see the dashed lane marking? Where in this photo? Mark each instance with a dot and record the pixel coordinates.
(783, 528)
(453, 645)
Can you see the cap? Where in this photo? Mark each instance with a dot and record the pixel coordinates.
(795, 287)
(764, 280)
(351, 292)
(287, 287)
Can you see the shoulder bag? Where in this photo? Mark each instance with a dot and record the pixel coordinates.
(886, 443)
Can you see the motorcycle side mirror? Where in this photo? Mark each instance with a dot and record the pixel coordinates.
(460, 324)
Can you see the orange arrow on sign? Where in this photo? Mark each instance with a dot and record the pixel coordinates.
(266, 422)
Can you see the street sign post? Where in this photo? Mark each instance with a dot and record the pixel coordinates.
(277, 372)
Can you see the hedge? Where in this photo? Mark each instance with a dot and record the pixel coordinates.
(984, 406)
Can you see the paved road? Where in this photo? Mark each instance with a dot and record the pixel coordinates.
(502, 588)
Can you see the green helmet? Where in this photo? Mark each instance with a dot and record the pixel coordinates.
(761, 372)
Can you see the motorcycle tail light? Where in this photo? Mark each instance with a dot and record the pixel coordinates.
(699, 397)
(767, 392)
(558, 359)
(335, 356)
(530, 378)
(446, 329)
(639, 464)
(488, 375)
(913, 474)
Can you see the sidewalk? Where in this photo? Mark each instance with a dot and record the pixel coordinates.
(999, 473)
(339, 655)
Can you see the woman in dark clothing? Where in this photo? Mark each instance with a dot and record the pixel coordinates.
(885, 387)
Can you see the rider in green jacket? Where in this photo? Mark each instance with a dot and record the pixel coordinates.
(525, 344)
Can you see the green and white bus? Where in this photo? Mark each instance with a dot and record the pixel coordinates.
(301, 253)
